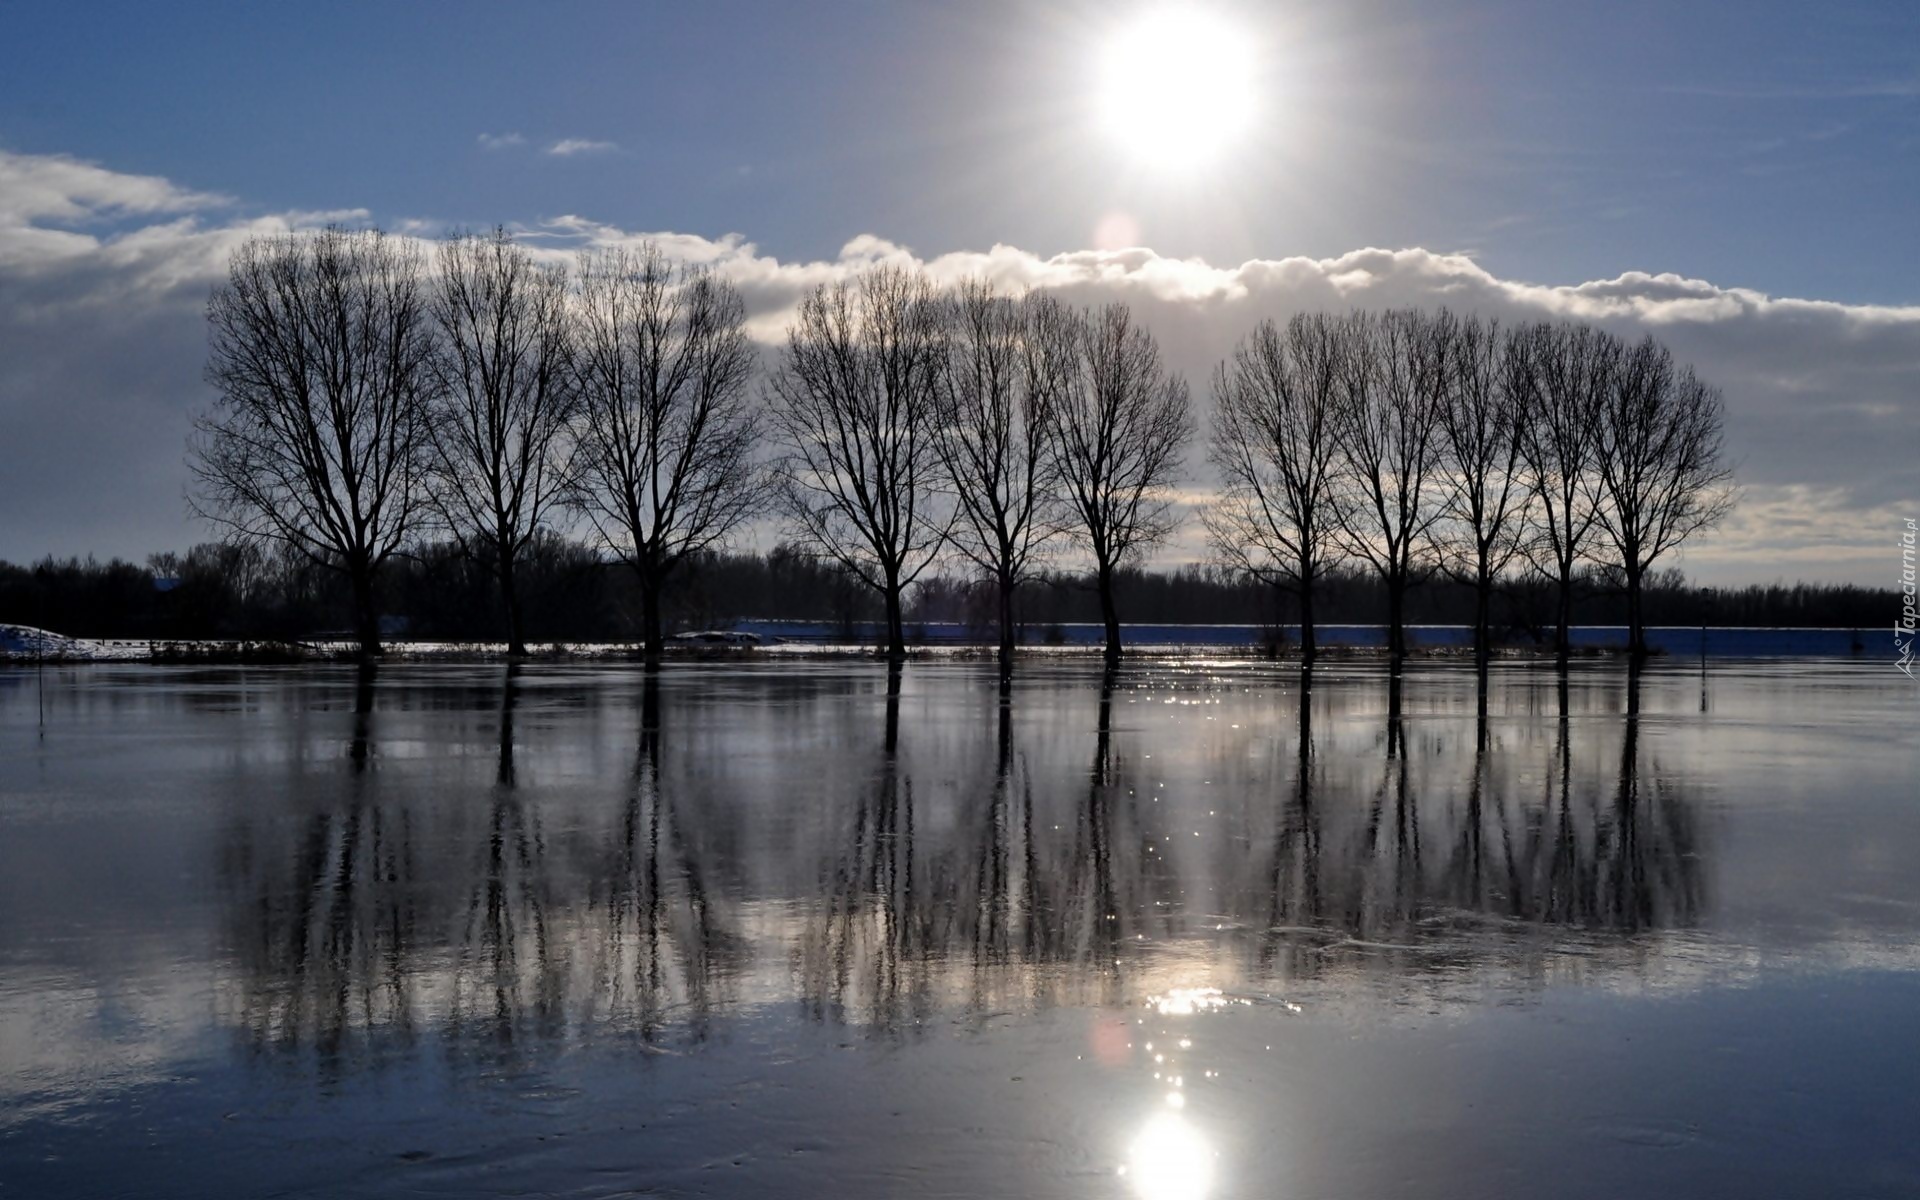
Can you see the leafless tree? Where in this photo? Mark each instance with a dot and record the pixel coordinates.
(1489, 390)
(1393, 383)
(1006, 366)
(320, 348)
(1662, 469)
(1117, 441)
(663, 465)
(504, 404)
(1570, 367)
(855, 400)
(1275, 403)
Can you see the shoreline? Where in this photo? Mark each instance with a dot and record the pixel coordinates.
(221, 653)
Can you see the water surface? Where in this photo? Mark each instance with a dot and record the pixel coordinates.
(803, 928)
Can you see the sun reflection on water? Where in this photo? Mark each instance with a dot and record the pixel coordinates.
(1169, 1160)
(1181, 1002)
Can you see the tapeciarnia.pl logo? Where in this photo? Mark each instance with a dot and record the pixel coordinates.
(1903, 629)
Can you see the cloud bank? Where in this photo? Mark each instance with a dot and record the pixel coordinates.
(104, 275)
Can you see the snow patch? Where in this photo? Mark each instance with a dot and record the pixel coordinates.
(26, 642)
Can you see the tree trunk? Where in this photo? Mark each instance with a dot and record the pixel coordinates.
(1396, 618)
(653, 643)
(1563, 616)
(896, 630)
(1109, 613)
(1307, 643)
(1483, 617)
(1636, 631)
(1006, 618)
(509, 596)
(366, 618)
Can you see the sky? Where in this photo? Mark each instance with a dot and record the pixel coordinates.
(1738, 178)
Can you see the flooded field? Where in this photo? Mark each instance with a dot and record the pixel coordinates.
(804, 928)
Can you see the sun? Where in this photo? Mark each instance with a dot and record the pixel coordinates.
(1176, 88)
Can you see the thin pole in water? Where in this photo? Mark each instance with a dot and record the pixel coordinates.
(1706, 613)
(1706, 610)
(40, 657)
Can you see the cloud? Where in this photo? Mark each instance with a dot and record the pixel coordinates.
(50, 203)
(102, 344)
(38, 187)
(568, 147)
(501, 141)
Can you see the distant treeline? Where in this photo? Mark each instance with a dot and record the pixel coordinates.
(573, 594)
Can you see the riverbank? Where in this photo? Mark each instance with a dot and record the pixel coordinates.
(768, 640)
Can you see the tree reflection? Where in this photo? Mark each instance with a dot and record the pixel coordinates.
(383, 912)
(325, 932)
(1098, 902)
(1589, 852)
(1293, 897)
(507, 975)
(1118, 885)
(662, 946)
(858, 957)
(360, 748)
(879, 873)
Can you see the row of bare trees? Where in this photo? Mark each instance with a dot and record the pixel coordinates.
(916, 420)
(369, 391)
(1419, 443)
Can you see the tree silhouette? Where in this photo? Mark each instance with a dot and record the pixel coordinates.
(663, 467)
(856, 403)
(1661, 467)
(1118, 437)
(320, 348)
(1482, 423)
(1393, 385)
(1275, 404)
(504, 404)
(1006, 367)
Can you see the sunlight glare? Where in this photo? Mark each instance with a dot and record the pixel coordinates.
(1176, 88)
(1169, 1160)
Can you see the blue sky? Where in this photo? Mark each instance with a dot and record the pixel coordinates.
(1739, 179)
(1767, 145)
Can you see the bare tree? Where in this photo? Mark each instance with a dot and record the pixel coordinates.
(856, 402)
(1489, 388)
(1659, 457)
(320, 348)
(504, 407)
(1275, 403)
(1393, 383)
(1570, 367)
(1117, 441)
(663, 465)
(1006, 365)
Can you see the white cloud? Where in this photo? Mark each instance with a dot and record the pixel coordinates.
(44, 197)
(39, 187)
(568, 147)
(501, 141)
(101, 344)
